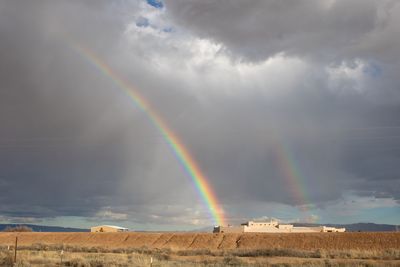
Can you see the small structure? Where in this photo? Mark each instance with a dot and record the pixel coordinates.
(273, 226)
(108, 229)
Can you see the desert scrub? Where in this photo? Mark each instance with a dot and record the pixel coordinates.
(194, 252)
(232, 261)
(6, 259)
(387, 254)
(275, 253)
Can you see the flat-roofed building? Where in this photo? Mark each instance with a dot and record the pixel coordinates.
(273, 226)
(108, 229)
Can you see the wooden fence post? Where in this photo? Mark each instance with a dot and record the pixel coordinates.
(15, 249)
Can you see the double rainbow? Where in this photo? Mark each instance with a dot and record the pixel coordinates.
(178, 148)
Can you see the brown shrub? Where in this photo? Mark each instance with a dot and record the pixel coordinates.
(194, 252)
(275, 253)
(18, 228)
(232, 261)
(6, 259)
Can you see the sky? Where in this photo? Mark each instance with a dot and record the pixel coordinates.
(290, 109)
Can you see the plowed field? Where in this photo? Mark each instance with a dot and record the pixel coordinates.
(187, 241)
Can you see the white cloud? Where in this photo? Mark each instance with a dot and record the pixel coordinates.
(107, 214)
(19, 220)
(347, 77)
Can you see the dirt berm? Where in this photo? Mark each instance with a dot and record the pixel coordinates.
(309, 241)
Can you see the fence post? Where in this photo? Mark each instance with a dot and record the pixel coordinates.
(15, 249)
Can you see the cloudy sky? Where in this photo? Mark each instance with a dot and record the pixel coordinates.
(290, 108)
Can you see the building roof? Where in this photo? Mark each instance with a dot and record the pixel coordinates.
(112, 226)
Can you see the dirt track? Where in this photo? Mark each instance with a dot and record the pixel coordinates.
(309, 241)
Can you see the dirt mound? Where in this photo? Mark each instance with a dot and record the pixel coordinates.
(183, 241)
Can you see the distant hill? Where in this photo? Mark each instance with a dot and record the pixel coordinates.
(356, 227)
(41, 228)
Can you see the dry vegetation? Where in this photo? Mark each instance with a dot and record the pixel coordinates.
(43, 255)
(369, 249)
(18, 228)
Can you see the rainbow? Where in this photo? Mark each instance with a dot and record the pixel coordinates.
(178, 148)
(291, 173)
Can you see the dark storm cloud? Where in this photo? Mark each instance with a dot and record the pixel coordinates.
(43, 116)
(322, 126)
(259, 29)
(72, 143)
(319, 138)
(69, 138)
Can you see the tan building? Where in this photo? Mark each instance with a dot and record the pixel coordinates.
(108, 229)
(273, 226)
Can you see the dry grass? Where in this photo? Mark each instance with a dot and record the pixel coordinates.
(45, 255)
(201, 249)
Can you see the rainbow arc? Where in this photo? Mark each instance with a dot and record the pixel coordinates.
(180, 151)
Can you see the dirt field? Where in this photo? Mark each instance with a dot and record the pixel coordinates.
(185, 241)
(201, 249)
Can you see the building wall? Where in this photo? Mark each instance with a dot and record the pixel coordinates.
(228, 229)
(288, 227)
(306, 229)
(326, 229)
(263, 229)
(261, 224)
(105, 229)
(273, 227)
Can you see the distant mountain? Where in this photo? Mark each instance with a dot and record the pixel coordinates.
(41, 228)
(357, 227)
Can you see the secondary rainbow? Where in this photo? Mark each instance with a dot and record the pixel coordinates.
(179, 150)
(291, 174)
